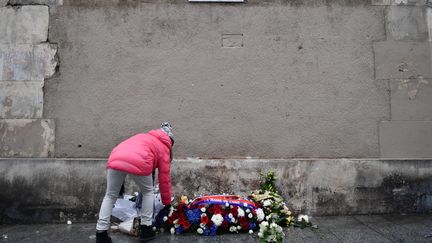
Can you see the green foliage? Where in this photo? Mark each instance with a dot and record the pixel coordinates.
(268, 182)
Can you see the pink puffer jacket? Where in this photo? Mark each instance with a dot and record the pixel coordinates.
(141, 154)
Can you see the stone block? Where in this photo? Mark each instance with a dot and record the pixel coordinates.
(411, 100)
(37, 2)
(402, 60)
(24, 25)
(27, 137)
(407, 23)
(21, 99)
(405, 139)
(399, 2)
(27, 62)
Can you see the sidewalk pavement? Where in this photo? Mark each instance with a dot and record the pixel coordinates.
(374, 228)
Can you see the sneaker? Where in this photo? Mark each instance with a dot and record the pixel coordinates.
(146, 233)
(102, 237)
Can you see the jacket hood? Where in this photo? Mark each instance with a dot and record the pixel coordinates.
(162, 136)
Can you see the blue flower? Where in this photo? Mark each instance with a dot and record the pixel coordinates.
(206, 231)
(252, 226)
(193, 215)
(213, 230)
(179, 230)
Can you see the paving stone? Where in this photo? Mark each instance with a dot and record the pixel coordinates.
(402, 60)
(80, 232)
(38, 2)
(398, 2)
(405, 139)
(21, 99)
(406, 23)
(411, 99)
(24, 25)
(27, 137)
(27, 62)
(398, 228)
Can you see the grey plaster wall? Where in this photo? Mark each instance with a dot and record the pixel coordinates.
(268, 79)
(315, 187)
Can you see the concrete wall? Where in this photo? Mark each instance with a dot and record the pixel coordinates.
(48, 192)
(265, 79)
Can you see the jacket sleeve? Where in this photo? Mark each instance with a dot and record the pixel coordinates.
(165, 180)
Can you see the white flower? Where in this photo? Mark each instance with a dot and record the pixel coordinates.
(238, 227)
(266, 203)
(240, 212)
(226, 204)
(250, 232)
(200, 231)
(248, 210)
(260, 214)
(245, 205)
(267, 217)
(165, 218)
(203, 209)
(230, 216)
(232, 229)
(217, 219)
(172, 231)
(202, 225)
(264, 224)
(303, 217)
(273, 225)
(250, 215)
(260, 235)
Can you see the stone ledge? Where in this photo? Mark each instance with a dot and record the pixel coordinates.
(27, 137)
(50, 188)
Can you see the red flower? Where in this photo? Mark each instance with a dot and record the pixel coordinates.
(245, 226)
(234, 211)
(204, 219)
(186, 225)
(215, 209)
(225, 225)
(173, 217)
(184, 222)
(243, 220)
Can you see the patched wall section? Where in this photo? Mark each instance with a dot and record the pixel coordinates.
(403, 61)
(26, 60)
